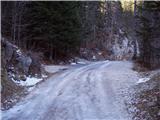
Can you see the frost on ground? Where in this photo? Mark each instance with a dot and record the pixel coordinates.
(96, 91)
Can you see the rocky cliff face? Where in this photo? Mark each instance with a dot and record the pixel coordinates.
(120, 47)
(123, 46)
(16, 66)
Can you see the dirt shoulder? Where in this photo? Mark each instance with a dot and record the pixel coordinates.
(145, 103)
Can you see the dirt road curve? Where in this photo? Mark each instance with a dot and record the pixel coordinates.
(93, 92)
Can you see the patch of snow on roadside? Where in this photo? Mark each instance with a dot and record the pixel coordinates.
(142, 80)
(54, 68)
(82, 61)
(73, 63)
(44, 76)
(31, 88)
(94, 57)
(30, 81)
(99, 53)
(78, 60)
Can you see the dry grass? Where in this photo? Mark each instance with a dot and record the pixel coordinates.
(11, 93)
(147, 101)
(140, 67)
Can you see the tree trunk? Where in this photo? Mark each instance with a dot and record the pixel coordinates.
(51, 50)
(135, 24)
(14, 21)
(19, 30)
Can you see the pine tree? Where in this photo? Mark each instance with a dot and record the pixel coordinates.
(148, 33)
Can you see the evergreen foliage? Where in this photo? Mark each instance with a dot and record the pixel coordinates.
(56, 25)
(148, 33)
(52, 27)
(60, 28)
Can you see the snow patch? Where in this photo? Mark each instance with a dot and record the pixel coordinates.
(31, 88)
(73, 63)
(77, 60)
(44, 76)
(30, 81)
(82, 61)
(19, 52)
(55, 68)
(99, 53)
(142, 80)
(120, 31)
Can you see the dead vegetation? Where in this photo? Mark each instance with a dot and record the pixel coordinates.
(11, 93)
(146, 100)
